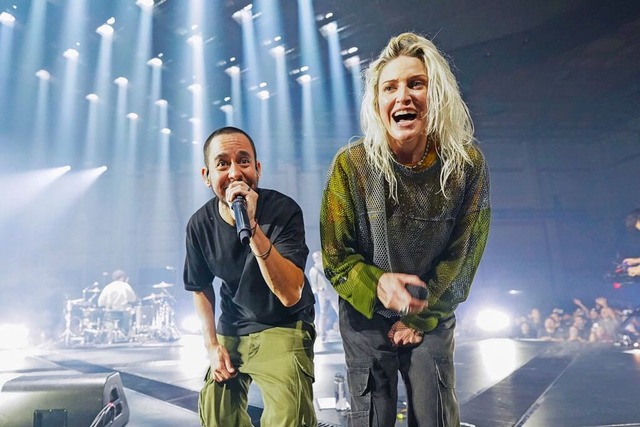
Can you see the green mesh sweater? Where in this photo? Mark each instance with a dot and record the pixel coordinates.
(441, 239)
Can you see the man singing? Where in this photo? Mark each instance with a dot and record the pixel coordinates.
(265, 331)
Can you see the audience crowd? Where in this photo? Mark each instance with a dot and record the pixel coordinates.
(600, 323)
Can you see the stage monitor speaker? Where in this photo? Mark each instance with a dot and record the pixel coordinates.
(78, 400)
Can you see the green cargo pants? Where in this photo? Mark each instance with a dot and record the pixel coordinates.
(280, 361)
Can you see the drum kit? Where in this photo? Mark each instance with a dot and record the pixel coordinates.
(151, 319)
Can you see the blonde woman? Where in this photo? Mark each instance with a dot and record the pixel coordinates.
(405, 213)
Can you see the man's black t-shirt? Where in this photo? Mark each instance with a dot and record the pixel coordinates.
(214, 250)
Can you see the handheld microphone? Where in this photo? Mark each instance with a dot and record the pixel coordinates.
(418, 292)
(239, 207)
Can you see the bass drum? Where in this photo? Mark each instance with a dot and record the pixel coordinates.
(144, 317)
(77, 313)
(92, 317)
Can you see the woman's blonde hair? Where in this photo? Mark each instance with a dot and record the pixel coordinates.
(448, 121)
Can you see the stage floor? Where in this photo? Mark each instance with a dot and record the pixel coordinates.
(500, 382)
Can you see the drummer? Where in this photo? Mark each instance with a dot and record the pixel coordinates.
(118, 296)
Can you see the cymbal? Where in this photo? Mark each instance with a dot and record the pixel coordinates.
(154, 297)
(162, 285)
(94, 290)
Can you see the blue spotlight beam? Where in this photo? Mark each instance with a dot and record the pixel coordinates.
(251, 75)
(98, 132)
(31, 61)
(343, 120)
(6, 48)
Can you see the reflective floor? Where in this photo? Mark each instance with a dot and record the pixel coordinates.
(500, 382)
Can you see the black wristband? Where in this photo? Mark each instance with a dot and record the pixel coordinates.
(264, 255)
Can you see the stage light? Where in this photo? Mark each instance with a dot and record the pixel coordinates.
(139, 75)
(234, 70)
(282, 129)
(277, 51)
(111, 21)
(194, 120)
(352, 62)
(7, 19)
(227, 98)
(92, 97)
(228, 110)
(194, 88)
(132, 116)
(105, 30)
(29, 186)
(71, 54)
(195, 40)
(66, 123)
(13, 336)
(197, 68)
(490, 320)
(162, 113)
(43, 75)
(165, 131)
(144, 4)
(239, 15)
(120, 138)
(353, 65)
(155, 62)
(253, 69)
(329, 29)
(304, 79)
(349, 51)
(263, 94)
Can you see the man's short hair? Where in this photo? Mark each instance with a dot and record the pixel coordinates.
(119, 275)
(227, 130)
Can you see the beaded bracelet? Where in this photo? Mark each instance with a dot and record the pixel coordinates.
(265, 254)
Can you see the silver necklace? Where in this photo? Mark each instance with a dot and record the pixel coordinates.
(424, 156)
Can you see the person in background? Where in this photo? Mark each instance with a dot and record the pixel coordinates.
(523, 329)
(117, 299)
(265, 330)
(405, 209)
(535, 321)
(633, 223)
(550, 330)
(577, 331)
(117, 295)
(327, 296)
